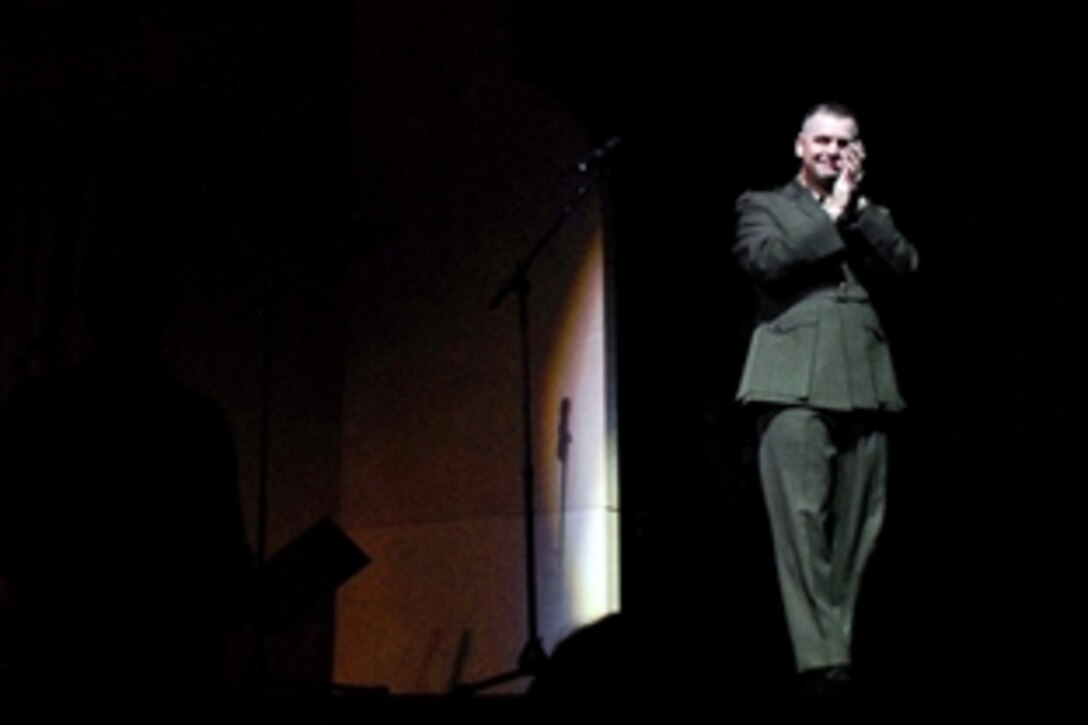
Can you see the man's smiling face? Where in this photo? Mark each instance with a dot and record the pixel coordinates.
(820, 146)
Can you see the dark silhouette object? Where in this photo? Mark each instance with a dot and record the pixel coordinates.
(597, 662)
(311, 567)
(122, 547)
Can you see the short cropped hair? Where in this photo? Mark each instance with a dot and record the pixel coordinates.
(831, 108)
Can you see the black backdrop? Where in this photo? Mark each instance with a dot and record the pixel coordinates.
(972, 142)
(975, 142)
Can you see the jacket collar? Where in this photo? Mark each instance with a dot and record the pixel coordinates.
(803, 197)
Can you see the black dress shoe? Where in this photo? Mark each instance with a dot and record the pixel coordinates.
(826, 681)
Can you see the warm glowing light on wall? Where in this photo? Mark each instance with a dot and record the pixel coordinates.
(584, 527)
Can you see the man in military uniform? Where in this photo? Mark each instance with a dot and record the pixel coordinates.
(819, 376)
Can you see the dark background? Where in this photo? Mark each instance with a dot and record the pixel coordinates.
(974, 142)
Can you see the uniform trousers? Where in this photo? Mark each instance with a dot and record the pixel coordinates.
(824, 477)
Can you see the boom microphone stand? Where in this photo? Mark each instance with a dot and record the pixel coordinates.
(532, 655)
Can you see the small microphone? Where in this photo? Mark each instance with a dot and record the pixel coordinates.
(564, 430)
(598, 155)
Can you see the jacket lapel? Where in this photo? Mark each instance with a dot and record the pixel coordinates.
(804, 199)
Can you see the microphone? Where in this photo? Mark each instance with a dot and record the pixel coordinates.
(564, 430)
(597, 156)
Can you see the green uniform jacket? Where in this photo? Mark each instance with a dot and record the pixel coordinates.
(818, 342)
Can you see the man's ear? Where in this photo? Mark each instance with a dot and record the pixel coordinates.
(797, 147)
